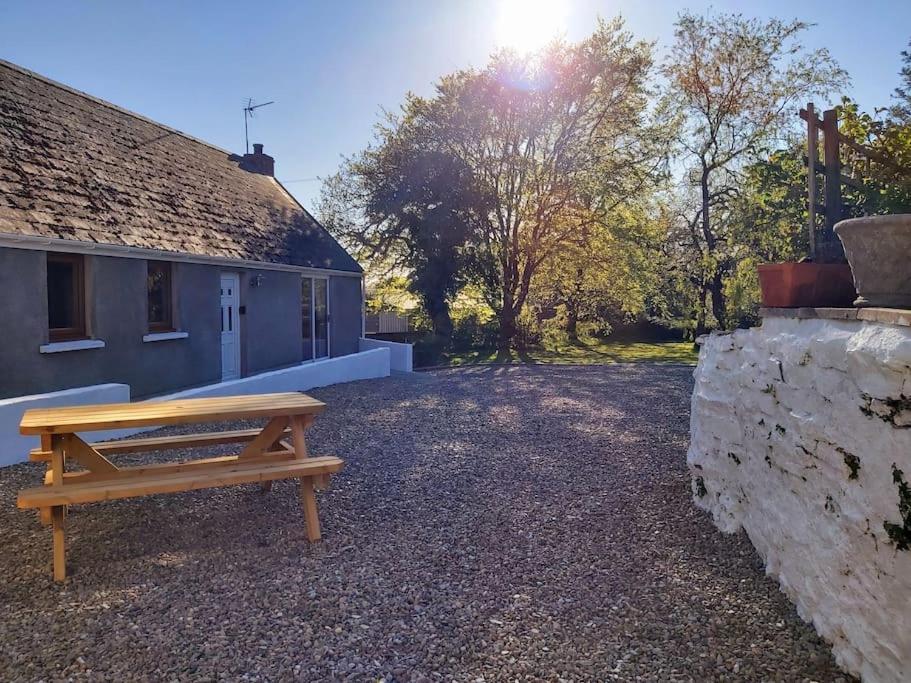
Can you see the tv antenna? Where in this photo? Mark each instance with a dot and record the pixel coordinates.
(248, 114)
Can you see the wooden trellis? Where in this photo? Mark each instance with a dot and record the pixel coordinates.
(824, 245)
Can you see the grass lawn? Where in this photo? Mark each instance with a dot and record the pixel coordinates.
(585, 352)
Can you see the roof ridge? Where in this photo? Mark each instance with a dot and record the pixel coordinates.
(110, 105)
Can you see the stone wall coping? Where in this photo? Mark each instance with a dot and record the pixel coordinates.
(888, 316)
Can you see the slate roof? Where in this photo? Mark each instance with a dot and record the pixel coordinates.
(75, 167)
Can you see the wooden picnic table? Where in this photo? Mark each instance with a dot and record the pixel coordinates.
(267, 456)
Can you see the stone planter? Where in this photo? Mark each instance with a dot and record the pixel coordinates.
(879, 251)
(799, 285)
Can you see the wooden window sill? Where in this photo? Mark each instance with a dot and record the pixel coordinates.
(164, 336)
(73, 345)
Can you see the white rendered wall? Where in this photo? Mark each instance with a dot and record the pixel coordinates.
(400, 358)
(801, 436)
(14, 447)
(321, 373)
(357, 366)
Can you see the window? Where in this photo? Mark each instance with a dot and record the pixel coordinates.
(159, 289)
(65, 296)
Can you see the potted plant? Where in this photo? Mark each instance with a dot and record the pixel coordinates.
(879, 253)
(824, 279)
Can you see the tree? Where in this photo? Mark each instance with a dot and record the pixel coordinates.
(901, 110)
(768, 223)
(735, 83)
(407, 205)
(553, 141)
(604, 277)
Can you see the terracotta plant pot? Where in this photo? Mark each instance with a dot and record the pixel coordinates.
(879, 251)
(799, 285)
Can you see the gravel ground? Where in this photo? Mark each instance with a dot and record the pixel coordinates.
(492, 523)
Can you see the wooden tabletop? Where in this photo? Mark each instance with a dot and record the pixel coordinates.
(159, 413)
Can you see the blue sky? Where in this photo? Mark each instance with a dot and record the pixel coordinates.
(332, 66)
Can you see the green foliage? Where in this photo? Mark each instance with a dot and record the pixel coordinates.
(586, 351)
(556, 140)
(428, 350)
(741, 294)
(392, 293)
(734, 84)
(886, 187)
(473, 331)
(604, 278)
(474, 323)
(770, 216)
(411, 204)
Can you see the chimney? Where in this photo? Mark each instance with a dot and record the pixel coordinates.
(258, 162)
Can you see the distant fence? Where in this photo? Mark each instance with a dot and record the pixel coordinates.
(386, 323)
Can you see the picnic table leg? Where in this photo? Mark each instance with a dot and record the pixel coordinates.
(57, 517)
(308, 495)
(58, 512)
(311, 516)
(266, 486)
(44, 514)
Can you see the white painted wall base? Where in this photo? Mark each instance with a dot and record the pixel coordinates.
(14, 448)
(400, 354)
(801, 436)
(365, 365)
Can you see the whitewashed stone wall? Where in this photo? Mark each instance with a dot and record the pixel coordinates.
(801, 436)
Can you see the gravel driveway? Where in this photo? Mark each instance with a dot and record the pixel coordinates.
(492, 523)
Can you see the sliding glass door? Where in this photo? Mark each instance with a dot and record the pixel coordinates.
(321, 317)
(307, 317)
(315, 317)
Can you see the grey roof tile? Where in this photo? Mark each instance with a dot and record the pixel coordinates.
(75, 167)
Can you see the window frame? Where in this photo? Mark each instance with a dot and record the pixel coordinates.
(79, 330)
(167, 324)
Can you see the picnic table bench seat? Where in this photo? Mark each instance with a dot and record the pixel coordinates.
(43, 454)
(127, 486)
(276, 451)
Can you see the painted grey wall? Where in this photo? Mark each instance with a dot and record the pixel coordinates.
(116, 306)
(271, 324)
(116, 302)
(167, 365)
(345, 303)
(23, 321)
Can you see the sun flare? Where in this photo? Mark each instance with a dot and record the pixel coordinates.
(528, 25)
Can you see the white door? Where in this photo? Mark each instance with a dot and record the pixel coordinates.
(230, 326)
